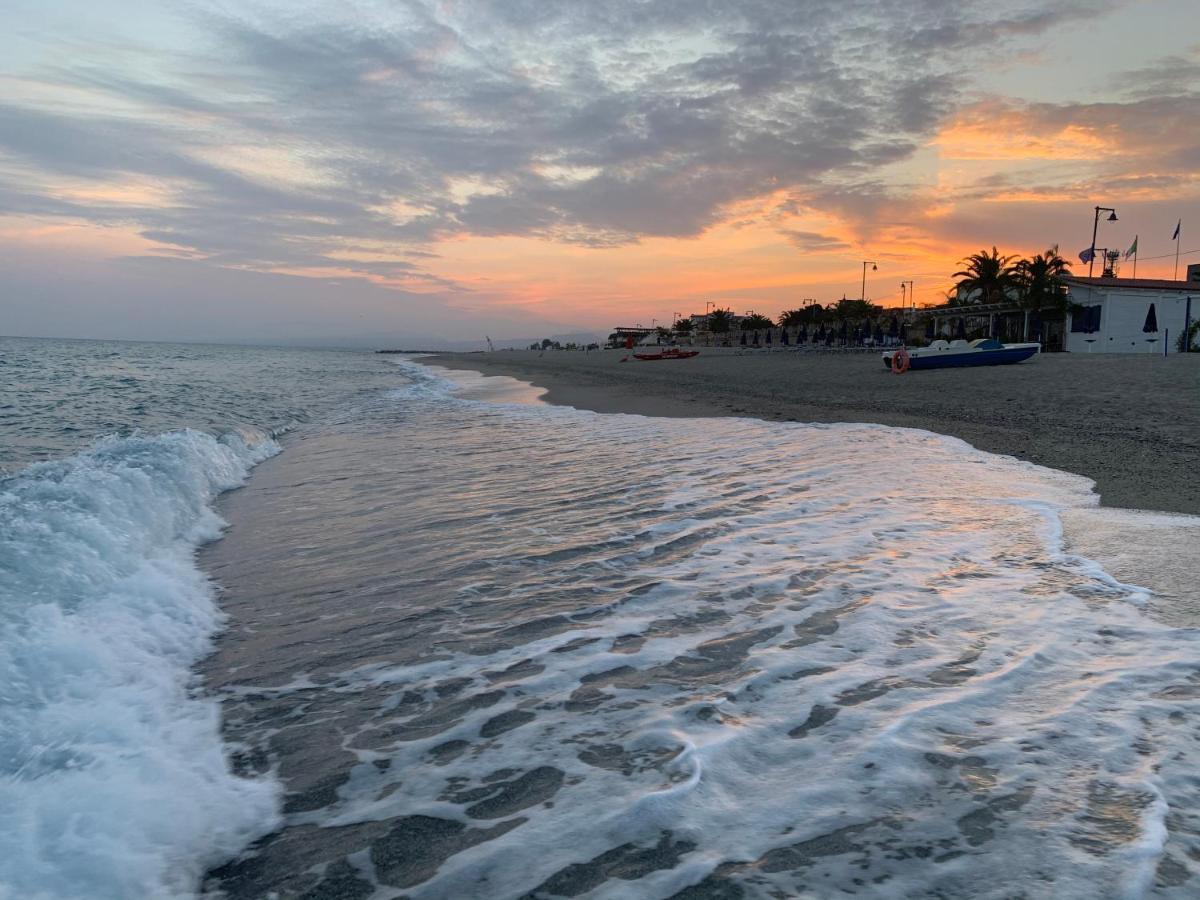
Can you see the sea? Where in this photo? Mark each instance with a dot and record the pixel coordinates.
(291, 623)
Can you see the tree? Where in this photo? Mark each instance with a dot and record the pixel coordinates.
(547, 343)
(1040, 281)
(857, 309)
(719, 320)
(986, 278)
(756, 321)
(792, 318)
(683, 326)
(806, 315)
(1187, 343)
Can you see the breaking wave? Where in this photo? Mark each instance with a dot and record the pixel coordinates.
(114, 782)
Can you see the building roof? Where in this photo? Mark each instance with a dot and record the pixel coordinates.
(1149, 284)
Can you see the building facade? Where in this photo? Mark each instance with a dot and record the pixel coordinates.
(1129, 315)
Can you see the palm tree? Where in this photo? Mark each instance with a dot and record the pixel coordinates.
(806, 315)
(1040, 281)
(683, 326)
(792, 318)
(986, 275)
(1040, 278)
(719, 320)
(756, 321)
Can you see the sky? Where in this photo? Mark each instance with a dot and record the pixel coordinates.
(441, 169)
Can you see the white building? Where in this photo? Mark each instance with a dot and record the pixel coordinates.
(1110, 315)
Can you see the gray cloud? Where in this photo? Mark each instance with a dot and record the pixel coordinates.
(813, 242)
(576, 121)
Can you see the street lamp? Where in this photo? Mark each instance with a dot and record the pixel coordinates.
(903, 298)
(912, 297)
(874, 268)
(1095, 225)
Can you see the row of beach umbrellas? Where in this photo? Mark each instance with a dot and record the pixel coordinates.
(825, 335)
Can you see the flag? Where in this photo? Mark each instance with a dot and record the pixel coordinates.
(1087, 255)
(1132, 248)
(1178, 225)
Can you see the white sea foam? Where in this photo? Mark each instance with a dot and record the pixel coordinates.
(937, 698)
(114, 782)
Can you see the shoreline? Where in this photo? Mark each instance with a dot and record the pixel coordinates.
(1140, 446)
(1129, 423)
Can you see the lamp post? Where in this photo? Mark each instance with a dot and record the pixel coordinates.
(874, 268)
(1095, 226)
(903, 297)
(912, 297)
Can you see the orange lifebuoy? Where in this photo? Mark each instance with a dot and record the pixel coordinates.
(900, 361)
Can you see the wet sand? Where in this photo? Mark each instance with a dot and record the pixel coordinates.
(1130, 423)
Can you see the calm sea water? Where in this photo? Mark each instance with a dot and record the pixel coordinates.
(473, 647)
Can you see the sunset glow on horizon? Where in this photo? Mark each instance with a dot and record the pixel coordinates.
(442, 169)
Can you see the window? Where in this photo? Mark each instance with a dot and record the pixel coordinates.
(1085, 319)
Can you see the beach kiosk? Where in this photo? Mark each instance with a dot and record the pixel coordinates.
(1129, 315)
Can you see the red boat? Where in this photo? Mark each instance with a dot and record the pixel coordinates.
(670, 353)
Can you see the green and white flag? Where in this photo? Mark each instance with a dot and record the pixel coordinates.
(1132, 248)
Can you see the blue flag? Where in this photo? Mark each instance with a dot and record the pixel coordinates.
(1178, 225)
(1087, 255)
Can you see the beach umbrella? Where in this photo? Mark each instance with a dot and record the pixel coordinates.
(768, 337)
(743, 339)
(756, 339)
(1151, 325)
(783, 338)
(844, 332)
(960, 330)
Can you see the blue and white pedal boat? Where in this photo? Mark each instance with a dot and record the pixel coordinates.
(982, 352)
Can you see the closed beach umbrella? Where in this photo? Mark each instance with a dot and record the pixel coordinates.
(960, 330)
(768, 336)
(743, 339)
(844, 332)
(783, 338)
(1151, 325)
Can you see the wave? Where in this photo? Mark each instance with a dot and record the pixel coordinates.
(114, 781)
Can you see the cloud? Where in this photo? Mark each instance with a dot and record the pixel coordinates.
(813, 242)
(282, 138)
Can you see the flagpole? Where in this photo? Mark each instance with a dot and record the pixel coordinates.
(1178, 228)
(1135, 252)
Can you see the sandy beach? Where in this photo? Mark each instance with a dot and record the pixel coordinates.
(1130, 423)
